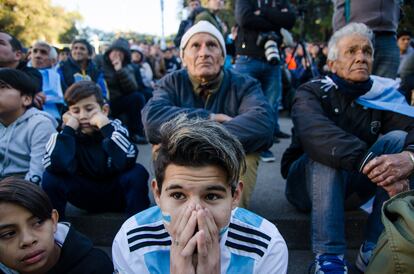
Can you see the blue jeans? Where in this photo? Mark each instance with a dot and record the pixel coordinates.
(269, 76)
(386, 56)
(322, 189)
(127, 192)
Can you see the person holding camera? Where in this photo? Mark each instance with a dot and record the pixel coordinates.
(257, 50)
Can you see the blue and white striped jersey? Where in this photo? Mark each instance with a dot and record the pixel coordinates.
(251, 244)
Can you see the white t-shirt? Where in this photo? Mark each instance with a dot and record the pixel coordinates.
(251, 244)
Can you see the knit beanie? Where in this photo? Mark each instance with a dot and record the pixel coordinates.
(202, 27)
(18, 80)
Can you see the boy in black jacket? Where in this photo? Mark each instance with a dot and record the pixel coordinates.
(91, 163)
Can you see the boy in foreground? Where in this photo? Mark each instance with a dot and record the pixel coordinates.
(196, 226)
(91, 163)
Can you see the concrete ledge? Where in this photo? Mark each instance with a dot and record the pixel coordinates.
(100, 228)
(299, 260)
(295, 228)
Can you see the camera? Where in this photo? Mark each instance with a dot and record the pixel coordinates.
(269, 41)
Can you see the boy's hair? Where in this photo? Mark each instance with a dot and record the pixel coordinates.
(86, 43)
(18, 80)
(65, 49)
(198, 143)
(26, 194)
(403, 32)
(82, 90)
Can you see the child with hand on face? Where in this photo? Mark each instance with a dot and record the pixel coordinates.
(91, 163)
(98, 119)
(32, 241)
(196, 226)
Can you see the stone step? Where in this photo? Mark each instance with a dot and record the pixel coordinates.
(299, 260)
(295, 228)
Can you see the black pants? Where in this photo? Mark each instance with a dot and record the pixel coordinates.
(129, 106)
(127, 192)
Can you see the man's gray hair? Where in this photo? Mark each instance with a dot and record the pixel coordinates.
(350, 29)
(53, 55)
(197, 142)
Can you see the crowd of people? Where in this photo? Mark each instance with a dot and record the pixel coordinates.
(71, 119)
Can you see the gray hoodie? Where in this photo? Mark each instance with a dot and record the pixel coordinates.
(23, 144)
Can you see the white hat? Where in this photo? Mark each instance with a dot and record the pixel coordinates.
(202, 27)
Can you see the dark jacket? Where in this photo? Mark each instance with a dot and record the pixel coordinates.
(378, 15)
(70, 72)
(102, 155)
(239, 97)
(335, 131)
(32, 72)
(250, 25)
(172, 64)
(186, 25)
(407, 77)
(78, 256)
(208, 16)
(124, 81)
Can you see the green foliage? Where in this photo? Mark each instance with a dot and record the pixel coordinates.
(407, 22)
(314, 21)
(37, 20)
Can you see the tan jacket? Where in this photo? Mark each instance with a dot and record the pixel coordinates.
(395, 248)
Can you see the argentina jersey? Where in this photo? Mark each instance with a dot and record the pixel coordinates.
(250, 244)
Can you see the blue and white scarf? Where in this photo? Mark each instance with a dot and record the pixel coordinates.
(375, 93)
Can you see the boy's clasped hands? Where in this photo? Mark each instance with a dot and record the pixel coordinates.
(195, 246)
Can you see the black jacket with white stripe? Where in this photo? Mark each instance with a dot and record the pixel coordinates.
(102, 155)
(336, 131)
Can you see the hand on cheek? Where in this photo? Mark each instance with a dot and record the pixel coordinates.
(99, 120)
(70, 120)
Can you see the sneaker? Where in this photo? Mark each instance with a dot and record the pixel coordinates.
(282, 135)
(267, 156)
(329, 263)
(364, 255)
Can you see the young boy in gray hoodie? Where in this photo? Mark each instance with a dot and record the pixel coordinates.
(24, 130)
